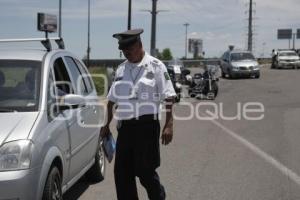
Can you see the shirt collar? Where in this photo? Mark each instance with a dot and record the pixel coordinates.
(143, 62)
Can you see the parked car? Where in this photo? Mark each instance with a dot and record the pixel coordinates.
(50, 127)
(286, 59)
(238, 63)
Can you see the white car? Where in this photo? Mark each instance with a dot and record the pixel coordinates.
(286, 59)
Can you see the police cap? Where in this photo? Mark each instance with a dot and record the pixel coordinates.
(128, 38)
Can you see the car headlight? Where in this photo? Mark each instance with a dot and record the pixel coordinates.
(16, 155)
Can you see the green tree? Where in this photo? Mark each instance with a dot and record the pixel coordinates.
(166, 54)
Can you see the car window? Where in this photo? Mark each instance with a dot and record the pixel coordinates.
(86, 76)
(77, 77)
(19, 85)
(287, 54)
(241, 56)
(62, 78)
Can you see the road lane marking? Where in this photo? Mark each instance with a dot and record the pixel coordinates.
(269, 159)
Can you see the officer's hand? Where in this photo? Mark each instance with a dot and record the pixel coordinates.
(104, 131)
(167, 135)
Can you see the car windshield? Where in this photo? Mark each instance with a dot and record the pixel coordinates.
(241, 56)
(287, 54)
(19, 85)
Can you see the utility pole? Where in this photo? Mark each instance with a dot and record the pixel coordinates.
(88, 45)
(186, 26)
(129, 15)
(250, 26)
(153, 28)
(153, 12)
(59, 18)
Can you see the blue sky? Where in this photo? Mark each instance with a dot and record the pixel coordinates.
(218, 22)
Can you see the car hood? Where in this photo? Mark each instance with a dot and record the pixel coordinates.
(288, 57)
(245, 63)
(16, 126)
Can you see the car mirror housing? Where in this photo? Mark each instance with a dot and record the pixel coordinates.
(71, 101)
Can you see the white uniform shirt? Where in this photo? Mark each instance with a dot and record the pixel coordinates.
(139, 88)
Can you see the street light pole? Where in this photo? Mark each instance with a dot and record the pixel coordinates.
(294, 40)
(263, 53)
(186, 26)
(88, 45)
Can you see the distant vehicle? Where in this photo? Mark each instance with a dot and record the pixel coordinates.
(50, 123)
(298, 52)
(238, 63)
(286, 59)
(205, 85)
(175, 76)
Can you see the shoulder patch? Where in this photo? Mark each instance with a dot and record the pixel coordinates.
(167, 77)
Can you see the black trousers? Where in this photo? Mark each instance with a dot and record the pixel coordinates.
(138, 155)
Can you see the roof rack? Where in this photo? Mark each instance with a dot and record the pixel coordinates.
(45, 41)
(46, 23)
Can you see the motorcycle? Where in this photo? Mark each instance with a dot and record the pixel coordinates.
(205, 85)
(175, 78)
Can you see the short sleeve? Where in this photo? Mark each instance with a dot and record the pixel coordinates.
(164, 83)
(111, 96)
(111, 93)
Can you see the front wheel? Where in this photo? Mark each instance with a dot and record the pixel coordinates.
(52, 190)
(97, 171)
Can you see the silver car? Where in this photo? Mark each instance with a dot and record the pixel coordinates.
(235, 63)
(50, 115)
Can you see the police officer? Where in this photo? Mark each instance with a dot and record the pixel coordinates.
(141, 84)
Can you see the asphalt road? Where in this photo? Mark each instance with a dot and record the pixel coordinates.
(222, 159)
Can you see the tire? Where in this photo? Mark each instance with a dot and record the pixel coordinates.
(231, 75)
(53, 188)
(96, 173)
(257, 76)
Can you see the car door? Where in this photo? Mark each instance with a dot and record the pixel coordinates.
(84, 140)
(65, 84)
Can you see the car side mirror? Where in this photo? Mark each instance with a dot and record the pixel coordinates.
(71, 101)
